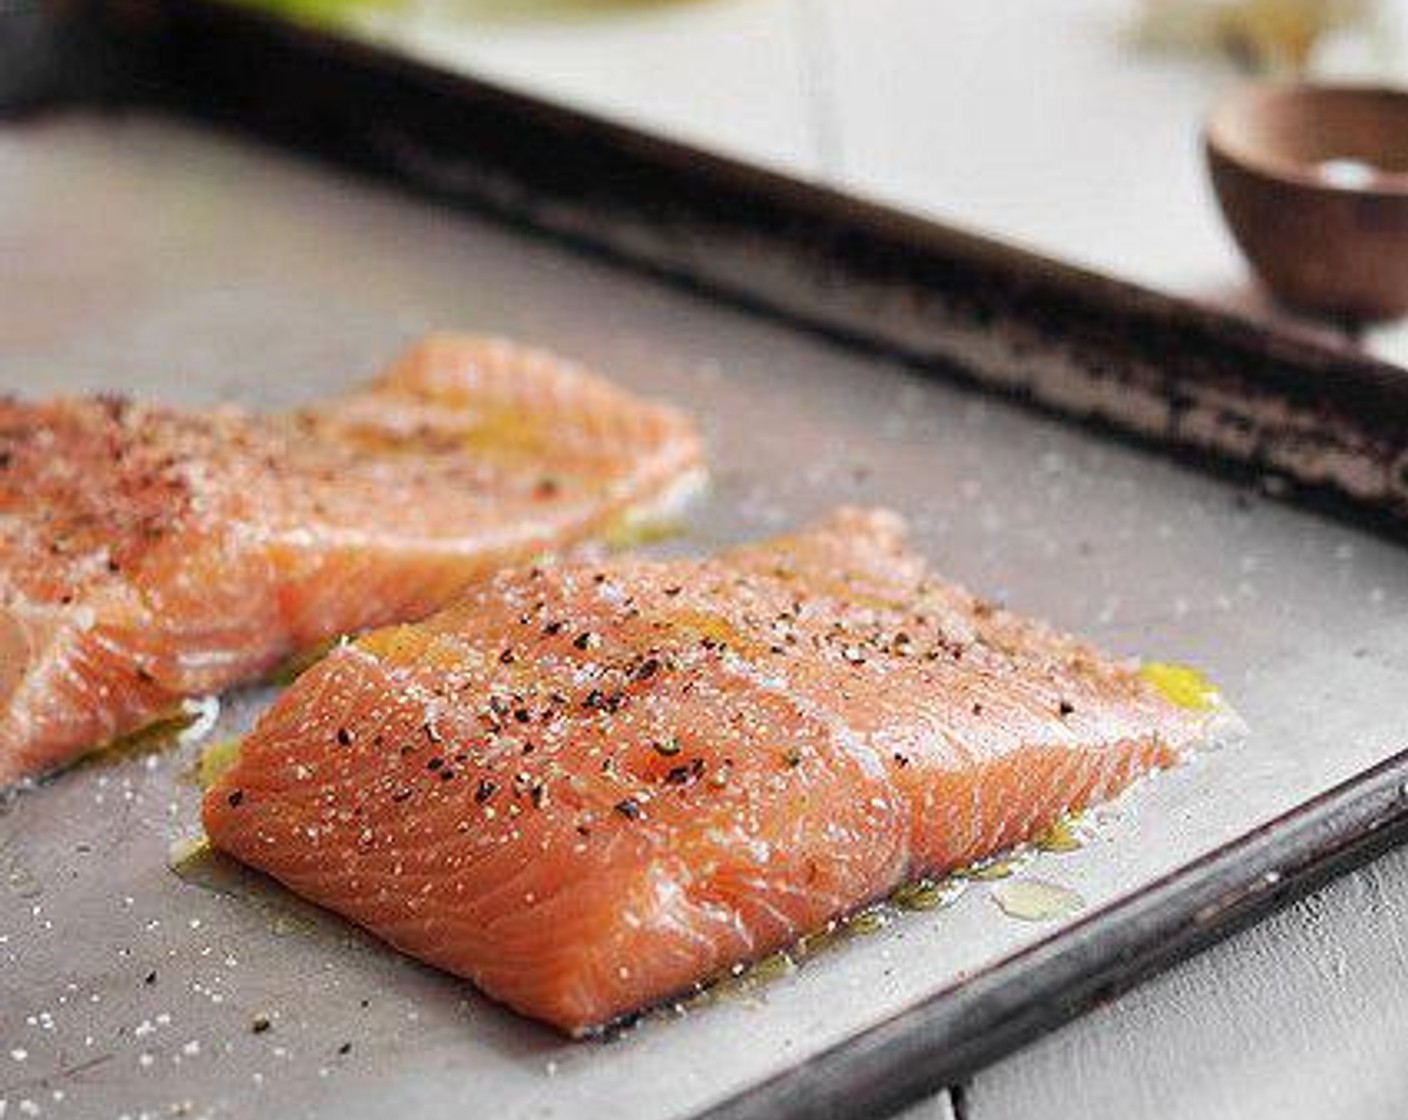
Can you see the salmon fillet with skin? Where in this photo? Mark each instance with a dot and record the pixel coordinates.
(587, 788)
(149, 554)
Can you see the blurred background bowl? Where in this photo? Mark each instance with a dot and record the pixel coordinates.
(1313, 181)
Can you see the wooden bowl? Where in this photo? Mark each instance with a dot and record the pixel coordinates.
(1313, 181)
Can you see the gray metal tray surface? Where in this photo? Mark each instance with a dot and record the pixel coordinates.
(142, 255)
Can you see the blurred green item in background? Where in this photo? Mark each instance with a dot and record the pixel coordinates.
(320, 13)
(342, 13)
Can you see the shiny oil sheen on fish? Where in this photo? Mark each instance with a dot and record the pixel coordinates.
(589, 787)
(149, 554)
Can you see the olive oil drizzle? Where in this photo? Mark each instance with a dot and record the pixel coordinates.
(154, 738)
(1181, 685)
(925, 894)
(1036, 900)
(215, 759)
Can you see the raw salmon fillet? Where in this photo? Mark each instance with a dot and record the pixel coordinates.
(149, 554)
(588, 787)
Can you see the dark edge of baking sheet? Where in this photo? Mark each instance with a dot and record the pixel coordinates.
(1224, 392)
(55, 53)
(1230, 394)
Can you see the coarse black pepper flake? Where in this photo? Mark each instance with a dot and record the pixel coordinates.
(507, 657)
(485, 790)
(667, 746)
(553, 628)
(683, 775)
(586, 640)
(260, 1023)
(598, 701)
(522, 715)
(901, 760)
(977, 708)
(344, 736)
(1065, 708)
(150, 977)
(401, 795)
(792, 757)
(234, 798)
(629, 808)
(435, 763)
(345, 1049)
(446, 774)
(647, 669)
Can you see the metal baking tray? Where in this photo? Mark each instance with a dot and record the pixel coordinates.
(1166, 480)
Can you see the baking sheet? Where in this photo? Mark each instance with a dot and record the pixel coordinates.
(141, 254)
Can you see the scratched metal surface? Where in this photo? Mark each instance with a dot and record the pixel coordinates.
(141, 255)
